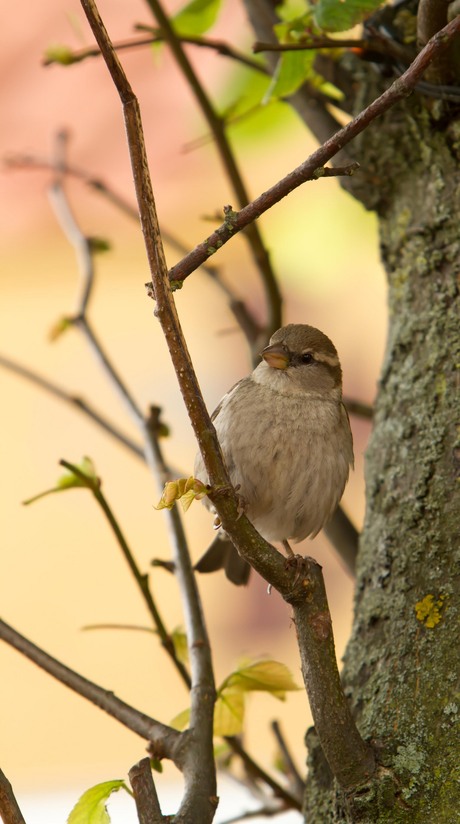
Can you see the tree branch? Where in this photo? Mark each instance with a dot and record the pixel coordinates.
(9, 807)
(290, 768)
(145, 794)
(152, 452)
(199, 801)
(72, 400)
(141, 579)
(167, 742)
(217, 125)
(236, 221)
(239, 309)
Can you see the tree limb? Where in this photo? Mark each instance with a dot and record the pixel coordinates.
(9, 807)
(217, 125)
(199, 800)
(168, 743)
(145, 794)
(308, 170)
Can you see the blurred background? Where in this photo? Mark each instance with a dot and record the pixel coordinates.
(60, 567)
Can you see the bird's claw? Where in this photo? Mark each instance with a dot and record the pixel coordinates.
(296, 562)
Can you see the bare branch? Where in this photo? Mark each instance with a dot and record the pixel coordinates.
(9, 808)
(168, 743)
(431, 17)
(67, 397)
(145, 794)
(291, 770)
(199, 799)
(141, 579)
(219, 46)
(344, 537)
(358, 408)
(236, 221)
(350, 758)
(217, 125)
(290, 800)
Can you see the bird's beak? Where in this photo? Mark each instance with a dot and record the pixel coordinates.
(276, 355)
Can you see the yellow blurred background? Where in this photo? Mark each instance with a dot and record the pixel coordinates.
(60, 567)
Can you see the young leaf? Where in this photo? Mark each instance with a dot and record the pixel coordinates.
(263, 676)
(181, 721)
(341, 15)
(184, 490)
(90, 808)
(292, 70)
(60, 54)
(70, 480)
(179, 640)
(229, 712)
(197, 17)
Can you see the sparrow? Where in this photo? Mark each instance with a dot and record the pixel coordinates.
(287, 444)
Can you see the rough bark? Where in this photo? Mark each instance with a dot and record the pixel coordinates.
(400, 667)
(401, 663)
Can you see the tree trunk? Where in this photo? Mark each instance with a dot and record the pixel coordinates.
(401, 664)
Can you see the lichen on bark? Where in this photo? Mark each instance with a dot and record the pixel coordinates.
(399, 671)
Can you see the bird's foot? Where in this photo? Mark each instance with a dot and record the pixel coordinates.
(296, 562)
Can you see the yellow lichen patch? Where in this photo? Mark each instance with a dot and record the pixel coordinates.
(428, 611)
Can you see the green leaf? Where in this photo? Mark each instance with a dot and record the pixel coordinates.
(263, 676)
(197, 17)
(90, 808)
(59, 328)
(291, 72)
(229, 712)
(179, 640)
(181, 721)
(99, 245)
(85, 476)
(61, 54)
(341, 15)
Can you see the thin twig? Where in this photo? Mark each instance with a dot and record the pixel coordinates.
(9, 807)
(199, 769)
(152, 452)
(266, 811)
(219, 46)
(290, 768)
(141, 579)
(308, 44)
(359, 408)
(239, 309)
(167, 741)
(82, 323)
(236, 221)
(290, 799)
(344, 537)
(145, 794)
(217, 126)
(72, 400)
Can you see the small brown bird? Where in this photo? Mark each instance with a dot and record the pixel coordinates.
(287, 444)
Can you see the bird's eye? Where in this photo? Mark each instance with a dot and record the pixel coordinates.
(307, 357)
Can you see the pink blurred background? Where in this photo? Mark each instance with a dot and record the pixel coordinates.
(60, 568)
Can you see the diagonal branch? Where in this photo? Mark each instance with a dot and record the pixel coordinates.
(217, 125)
(168, 742)
(199, 800)
(308, 170)
(145, 794)
(9, 808)
(81, 404)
